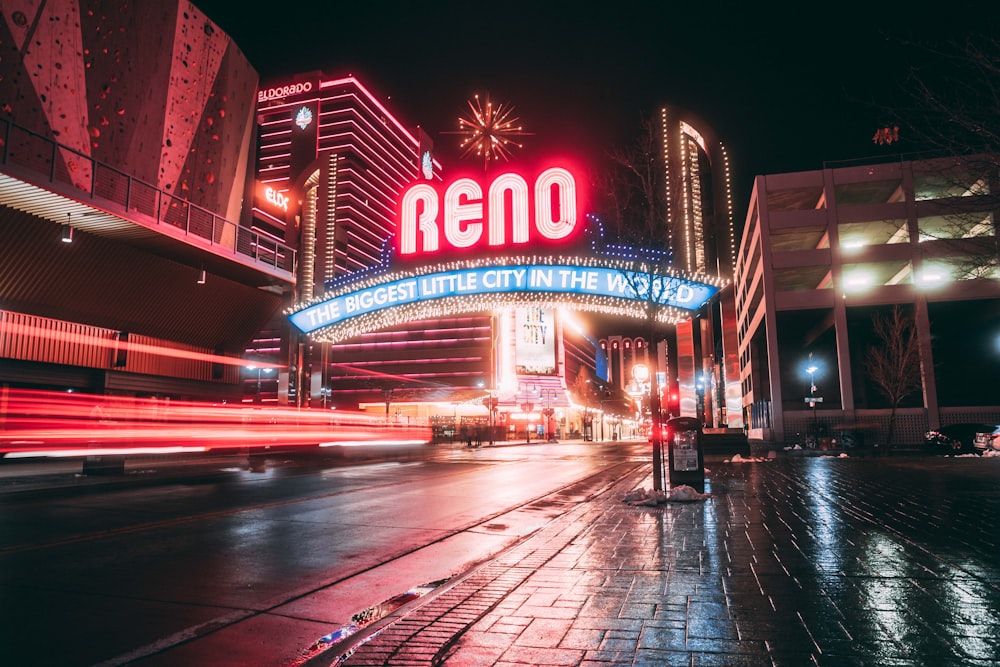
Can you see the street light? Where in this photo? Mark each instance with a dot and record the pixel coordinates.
(387, 393)
(260, 370)
(491, 402)
(526, 408)
(811, 369)
(640, 388)
(604, 395)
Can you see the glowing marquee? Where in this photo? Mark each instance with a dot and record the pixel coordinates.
(463, 217)
(551, 279)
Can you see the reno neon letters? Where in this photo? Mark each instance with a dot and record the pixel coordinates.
(466, 216)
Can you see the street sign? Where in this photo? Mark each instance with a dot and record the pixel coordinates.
(813, 399)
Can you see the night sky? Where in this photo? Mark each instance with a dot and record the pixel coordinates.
(786, 87)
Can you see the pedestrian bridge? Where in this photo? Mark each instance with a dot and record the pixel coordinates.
(46, 179)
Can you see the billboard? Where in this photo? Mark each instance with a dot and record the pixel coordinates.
(535, 341)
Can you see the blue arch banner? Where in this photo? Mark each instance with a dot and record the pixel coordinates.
(589, 287)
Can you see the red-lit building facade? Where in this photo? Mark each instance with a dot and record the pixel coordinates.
(127, 261)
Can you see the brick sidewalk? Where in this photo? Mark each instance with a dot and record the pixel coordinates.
(790, 562)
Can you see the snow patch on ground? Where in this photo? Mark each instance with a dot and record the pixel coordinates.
(651, 498)
(749, 459)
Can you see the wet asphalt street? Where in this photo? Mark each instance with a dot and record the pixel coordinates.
(801, 560)
(797, 561)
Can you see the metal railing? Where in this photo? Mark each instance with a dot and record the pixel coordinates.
(59, 164)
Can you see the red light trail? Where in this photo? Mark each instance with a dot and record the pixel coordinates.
(32, 332)
(46, 423)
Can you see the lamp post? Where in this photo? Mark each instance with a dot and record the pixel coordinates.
(640, 379)
(700, 396)
(526, 408)
(811, 369)
(387, 393)
(603, 396)
(491, 402)
(260, 370)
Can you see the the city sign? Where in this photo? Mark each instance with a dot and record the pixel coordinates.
(470, 246)
(589, 281)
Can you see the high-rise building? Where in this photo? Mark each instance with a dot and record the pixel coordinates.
(701, 359)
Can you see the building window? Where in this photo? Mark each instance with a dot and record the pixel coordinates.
(801, 278)
(794, 239)
(956, 226)
(866, 193)
(862, 277)
(857, 235)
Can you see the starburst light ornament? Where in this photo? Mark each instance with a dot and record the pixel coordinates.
(489, 131)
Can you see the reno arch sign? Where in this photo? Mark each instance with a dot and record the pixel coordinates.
(508, 211)
(494, 236)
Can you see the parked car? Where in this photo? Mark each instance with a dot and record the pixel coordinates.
(987, 440)
(955, 438)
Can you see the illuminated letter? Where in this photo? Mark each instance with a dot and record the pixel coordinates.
(409, 223)
(548, 226)
(456, 213)
(518, 210)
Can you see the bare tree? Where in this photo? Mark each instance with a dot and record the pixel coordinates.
(636, 210)
(955, 104)
(894, 362)
(950, 111)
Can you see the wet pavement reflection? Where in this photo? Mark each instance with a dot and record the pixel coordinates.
(795, 561)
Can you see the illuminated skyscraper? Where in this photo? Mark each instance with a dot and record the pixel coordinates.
(702, 360)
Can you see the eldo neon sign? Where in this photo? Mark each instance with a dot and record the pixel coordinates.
(464, 218)
(276, 198)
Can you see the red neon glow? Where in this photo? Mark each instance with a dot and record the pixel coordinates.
(276, 198)
(46, 423)
(518, 188)
(460, 220)
(555, 222)
(463, 206)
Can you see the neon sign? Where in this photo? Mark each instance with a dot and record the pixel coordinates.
(564, 279)
(276, 198)
(284, 91)
(304, 117)
(463, 217)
